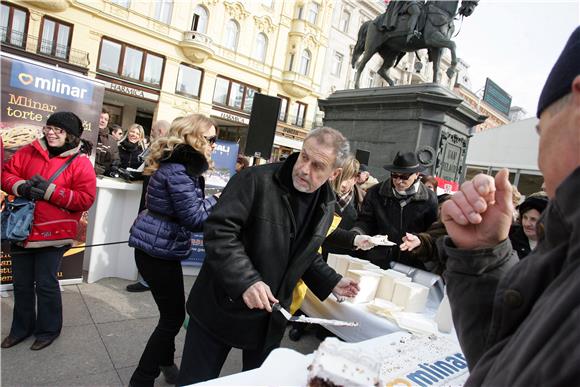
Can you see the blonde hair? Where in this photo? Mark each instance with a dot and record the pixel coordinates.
(141, 135)
(185, 130)
(350, 169)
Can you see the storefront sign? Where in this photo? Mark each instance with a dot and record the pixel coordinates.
(31, 92)
(230, 117)
(124, 89)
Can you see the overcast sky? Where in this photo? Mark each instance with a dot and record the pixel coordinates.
(516, 43)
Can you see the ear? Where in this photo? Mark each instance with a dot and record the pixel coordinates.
(335, 174)
(576, 90)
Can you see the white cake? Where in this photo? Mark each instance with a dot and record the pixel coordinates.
(387, 285)
(367, 282)
(404, 360)
(411, 296)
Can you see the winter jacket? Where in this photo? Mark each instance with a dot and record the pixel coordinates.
(56, 218)
(248, 239)
(517, 321)
(107, 154)
(382, 214)
(520, 241)
(129, 155)
(175, 206)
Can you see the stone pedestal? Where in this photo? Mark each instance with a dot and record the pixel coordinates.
(426, 118)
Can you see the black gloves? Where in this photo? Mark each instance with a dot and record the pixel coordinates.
(39, 187)
(24, 190)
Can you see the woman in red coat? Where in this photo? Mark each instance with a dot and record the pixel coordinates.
(59, 207)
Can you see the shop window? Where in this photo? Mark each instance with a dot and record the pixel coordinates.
(528, 184)
(471, 172)
(163, 10)
(14, 25)
(313, 10)
(200, 20)
(336, 64)
(122, 3)
(284, 103)
(234, 94)
(232, 34)
(261, 47)
(299, 114)
(189, 81)
(55, 38)
(130, 62)
(344, 21)
(305, 62)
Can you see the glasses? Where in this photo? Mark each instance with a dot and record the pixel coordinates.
(211, 140)
(54, 129)
(400, 176)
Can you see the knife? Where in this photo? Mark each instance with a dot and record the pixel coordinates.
(312, 320)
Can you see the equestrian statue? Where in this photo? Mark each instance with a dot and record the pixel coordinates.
(408, 26)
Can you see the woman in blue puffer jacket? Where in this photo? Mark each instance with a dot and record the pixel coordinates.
(161, 235)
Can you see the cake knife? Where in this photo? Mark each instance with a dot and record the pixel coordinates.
(312, 320)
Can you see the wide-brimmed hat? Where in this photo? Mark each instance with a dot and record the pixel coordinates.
(405, 163)
(538, 203)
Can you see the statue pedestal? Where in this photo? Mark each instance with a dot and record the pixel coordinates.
(427, 118)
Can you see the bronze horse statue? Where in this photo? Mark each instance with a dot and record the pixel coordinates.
(436, 26)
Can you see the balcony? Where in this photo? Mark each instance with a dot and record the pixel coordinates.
(197, 46)
(295, 84)
(46, 51)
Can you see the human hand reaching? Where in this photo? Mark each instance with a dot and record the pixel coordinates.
(479, 215)
(364, 242)
(259, 296)
(410, 242)
(346, 287)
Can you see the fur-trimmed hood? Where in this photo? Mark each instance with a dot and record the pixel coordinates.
(194, 162)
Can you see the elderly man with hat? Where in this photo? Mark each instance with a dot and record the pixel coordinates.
(60, 200)
(517, 321)
(524, 235)
(396, 206)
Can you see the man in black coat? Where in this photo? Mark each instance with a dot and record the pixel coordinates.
(517, 321)
(396, 206)
(261, 238)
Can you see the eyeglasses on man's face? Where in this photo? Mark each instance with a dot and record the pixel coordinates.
(55, 130)
(211, 140)
(400, 176)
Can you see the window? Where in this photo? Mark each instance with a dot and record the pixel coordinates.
(163, 10)
(130, 62)
(200, 19)
(234, 94)
(336, 64)
(291, 62)
(283, 115)
(344, 21)
(299, 114)
(371, 79)
(189, 81)
(261, 47)
(122, 3)
(305, 62)
(299, 12)
(232, 32)
(14, 25)
(313, 12)
(56, 37)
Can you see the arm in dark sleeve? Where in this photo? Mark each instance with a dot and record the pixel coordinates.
(472, 281)
(191, 209)
(340, 239)
(320, 278)
(225, 252)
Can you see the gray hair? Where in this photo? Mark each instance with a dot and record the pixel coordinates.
(333, 138)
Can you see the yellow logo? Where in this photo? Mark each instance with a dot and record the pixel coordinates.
(26, 79)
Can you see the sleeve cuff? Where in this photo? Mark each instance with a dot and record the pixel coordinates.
(16, 185)
(476, 262)
(49, 191)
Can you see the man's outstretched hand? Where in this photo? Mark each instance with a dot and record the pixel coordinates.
(259, 296)
(346, 287)
(479, 215)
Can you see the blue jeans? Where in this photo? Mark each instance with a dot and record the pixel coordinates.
(37, 298)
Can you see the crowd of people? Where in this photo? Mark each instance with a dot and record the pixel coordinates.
(268, 232)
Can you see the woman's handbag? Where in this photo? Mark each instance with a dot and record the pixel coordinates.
(18, 215)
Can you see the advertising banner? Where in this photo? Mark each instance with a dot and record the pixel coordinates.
(224, 157)
(31, 92)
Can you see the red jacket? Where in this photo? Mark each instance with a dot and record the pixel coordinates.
(56, 218)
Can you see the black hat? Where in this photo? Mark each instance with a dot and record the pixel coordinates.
(68, 121)
(559, 81)
(405, 163)
(538, 203)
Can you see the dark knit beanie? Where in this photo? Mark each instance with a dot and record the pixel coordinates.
(559, 81)
(68, 121)
(538, 203)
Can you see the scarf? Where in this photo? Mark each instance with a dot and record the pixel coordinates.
(406, 196)
(344, 200)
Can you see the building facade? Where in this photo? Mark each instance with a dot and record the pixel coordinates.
(164, 59)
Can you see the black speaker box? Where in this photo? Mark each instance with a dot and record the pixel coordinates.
(363, 156)
(263, 121)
